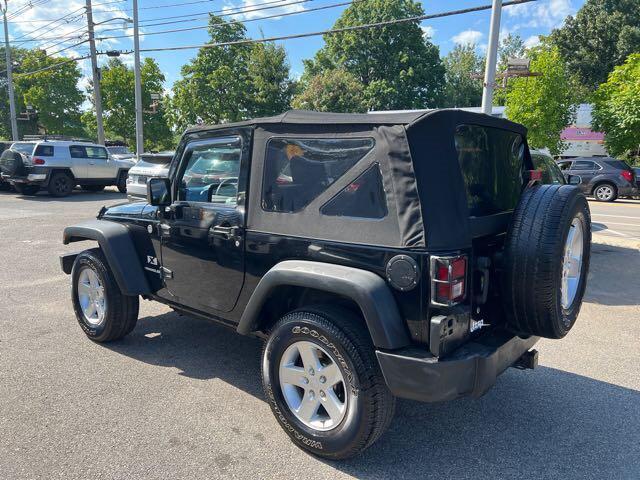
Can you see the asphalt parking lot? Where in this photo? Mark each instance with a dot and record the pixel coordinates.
(181, 398)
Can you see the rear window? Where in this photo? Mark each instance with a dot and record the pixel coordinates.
(44, 151)
(26, 148)
(297, 170)
(492, 162)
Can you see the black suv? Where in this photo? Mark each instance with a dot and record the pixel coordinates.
(604, 178)
(413, 255)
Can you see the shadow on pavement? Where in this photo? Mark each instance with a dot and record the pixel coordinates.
(542, 424)
(617, 270)
(76, 196)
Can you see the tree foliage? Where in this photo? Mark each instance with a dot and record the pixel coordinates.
(617, 108)
(335, 90)
(397, 66)
(118, 100)
(545, 104)
(601, 35)
(232, 82)
(463, 77)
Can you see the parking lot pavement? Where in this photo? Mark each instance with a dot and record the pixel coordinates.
(181, 398)
(620, 219)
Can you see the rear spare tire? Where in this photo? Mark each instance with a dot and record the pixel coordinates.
(547, 260)
(11, 164)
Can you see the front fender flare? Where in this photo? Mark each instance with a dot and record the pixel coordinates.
(366, 289)
(117, 245)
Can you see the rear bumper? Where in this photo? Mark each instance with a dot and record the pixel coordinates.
(33, 175)
(628, 191)
(469, 371)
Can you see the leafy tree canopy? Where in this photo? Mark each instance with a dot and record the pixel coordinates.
(545, 104)
(617, 109)
(397, 66)
(334, 90)
(463, 75)
(233, 82)
(601, 35)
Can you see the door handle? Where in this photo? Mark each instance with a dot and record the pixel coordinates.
(226, 232)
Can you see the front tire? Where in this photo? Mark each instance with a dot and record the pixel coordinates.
(323, 383)
(102, 310)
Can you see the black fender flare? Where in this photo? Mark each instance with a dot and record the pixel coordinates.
(366, 289)
(119, 249)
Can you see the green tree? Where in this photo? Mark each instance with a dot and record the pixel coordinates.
(118, 98)
(463, 71)
(335, 90)
(232, 82)
(545, 104)
(601, 35)
(617, 108)
(398, 67)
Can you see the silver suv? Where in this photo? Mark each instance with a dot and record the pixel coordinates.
(59, 166)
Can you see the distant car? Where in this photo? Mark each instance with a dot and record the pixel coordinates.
(58, 166)
(603, 177)
(551, 173)
(4, 145)
(151, 165)
(120, 152)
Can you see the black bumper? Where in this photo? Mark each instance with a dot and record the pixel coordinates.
(469, 371)
(30, 176)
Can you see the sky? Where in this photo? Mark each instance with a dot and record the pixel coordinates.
(528, 20)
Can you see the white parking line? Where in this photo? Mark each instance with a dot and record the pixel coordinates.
(617, 223)
(617, 216)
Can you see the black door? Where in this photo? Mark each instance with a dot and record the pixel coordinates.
(202, 232)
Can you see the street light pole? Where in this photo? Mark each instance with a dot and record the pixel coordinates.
(492, 58)
(138, 82)
(12, 100)
(97, 96)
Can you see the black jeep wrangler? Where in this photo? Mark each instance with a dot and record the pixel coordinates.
(411, 255)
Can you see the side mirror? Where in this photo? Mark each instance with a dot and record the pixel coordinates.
(574, 179)
(159, 192)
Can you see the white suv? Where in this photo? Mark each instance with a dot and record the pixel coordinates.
(59, 166)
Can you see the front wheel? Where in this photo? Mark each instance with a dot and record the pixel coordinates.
(323, 383)
(102, 310)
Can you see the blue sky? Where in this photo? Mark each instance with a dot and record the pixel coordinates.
(527, 20)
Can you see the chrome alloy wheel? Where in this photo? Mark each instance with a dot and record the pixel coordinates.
(313, 386)
(572, 263)
(604, 192)
(91, 296)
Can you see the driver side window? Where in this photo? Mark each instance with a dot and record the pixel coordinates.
(211, 170)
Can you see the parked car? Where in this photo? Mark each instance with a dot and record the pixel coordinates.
(378, 255)
(4, 145)
(149, 166)
(58, 166)
(120, 152)
(604, 178)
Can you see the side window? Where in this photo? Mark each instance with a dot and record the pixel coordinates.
(564, 166)
(211, 171)
(582, 165)
(77, 151)
(297, 170)
(97, 152)
(44, 151)
(362, 198)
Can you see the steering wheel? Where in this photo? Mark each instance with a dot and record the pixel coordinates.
(224, 181)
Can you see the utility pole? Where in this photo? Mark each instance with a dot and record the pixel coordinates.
(138, 81)
(492, 58)
(12, 100)
(95, 71)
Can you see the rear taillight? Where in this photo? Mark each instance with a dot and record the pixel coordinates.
(448, 280)
(37, 161)
(627, 175)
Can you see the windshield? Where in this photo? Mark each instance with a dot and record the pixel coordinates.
(217, 163)
(156, 164)
(23, 147)
(119, 150)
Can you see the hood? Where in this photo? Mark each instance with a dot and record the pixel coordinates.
(129, 211)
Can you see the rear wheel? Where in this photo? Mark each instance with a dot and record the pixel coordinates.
(605, 192)
(102, 310)
(122, 182)
(25, 189)
(60, 184)
(323, 383)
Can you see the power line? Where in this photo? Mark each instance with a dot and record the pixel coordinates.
(50, 23)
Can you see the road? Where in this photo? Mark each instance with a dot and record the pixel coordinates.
(619, 219)
(181, 398)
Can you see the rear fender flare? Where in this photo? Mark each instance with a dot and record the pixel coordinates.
(119, 249)
(366, 289)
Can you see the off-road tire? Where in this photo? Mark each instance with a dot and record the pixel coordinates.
(28, 190)
(605, 198)
(11, 163)
(121, 313)
(122, 182)
(370, 405)
(60, 184)
(92, 188)
(533, 260)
